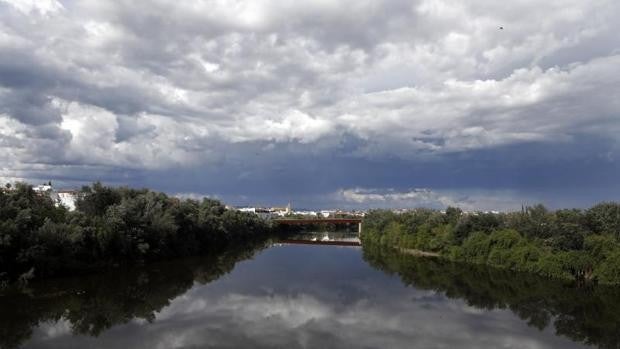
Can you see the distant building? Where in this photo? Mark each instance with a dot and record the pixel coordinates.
(305, 213)
(276, 212)
(43, 188)
(264, 213)
(343, 214)
(267, 213)
(282, 211)
(327, 213)
(67, 198)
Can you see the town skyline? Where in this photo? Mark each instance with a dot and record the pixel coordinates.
(68, 198)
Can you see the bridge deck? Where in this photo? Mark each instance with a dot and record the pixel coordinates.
(330, 243)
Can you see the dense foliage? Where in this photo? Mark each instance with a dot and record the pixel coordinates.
(573, 244)
(111, 227)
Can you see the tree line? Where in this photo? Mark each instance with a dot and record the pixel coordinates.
(111, 227)
(572, 244)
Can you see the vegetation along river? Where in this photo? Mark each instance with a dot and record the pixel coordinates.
(271, 294)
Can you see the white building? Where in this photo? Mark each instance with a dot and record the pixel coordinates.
(305, 213)
(43, 188)
(282, 211)
(327, 213)
(67, 198)
(267, 213)
(263, 213)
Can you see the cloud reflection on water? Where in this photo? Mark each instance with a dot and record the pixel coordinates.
(324, 297)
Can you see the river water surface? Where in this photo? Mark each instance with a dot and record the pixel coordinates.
(305, 296)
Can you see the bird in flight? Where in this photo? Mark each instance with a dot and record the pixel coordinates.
(501, 28)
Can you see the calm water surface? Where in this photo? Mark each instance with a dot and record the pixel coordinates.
(289, 296)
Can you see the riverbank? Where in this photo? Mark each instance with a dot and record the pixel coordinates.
(578, 245)
(112, 228)
(417, 253)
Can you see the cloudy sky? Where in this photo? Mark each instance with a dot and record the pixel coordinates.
(323, 103)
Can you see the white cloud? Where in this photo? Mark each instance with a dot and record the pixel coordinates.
(467, 199)
(529, 105)
(41, 7)
(414, 197)
(292, 125)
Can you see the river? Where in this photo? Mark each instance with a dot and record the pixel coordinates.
(278, 295)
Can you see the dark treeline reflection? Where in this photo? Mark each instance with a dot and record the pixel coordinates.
(590, 315)
(95, 303)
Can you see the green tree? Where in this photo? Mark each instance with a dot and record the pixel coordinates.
(604, 218)
(608, 271)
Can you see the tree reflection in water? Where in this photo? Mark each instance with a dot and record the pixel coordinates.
(590, 315)
(93, 304)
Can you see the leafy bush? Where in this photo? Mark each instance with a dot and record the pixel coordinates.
(608, 271)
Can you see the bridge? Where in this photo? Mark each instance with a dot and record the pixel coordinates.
(309, 221)
(319, 242)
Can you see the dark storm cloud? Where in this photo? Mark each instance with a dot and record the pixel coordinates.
(29, 107)
(282, 99)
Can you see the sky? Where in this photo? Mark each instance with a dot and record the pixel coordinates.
(352, 104)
